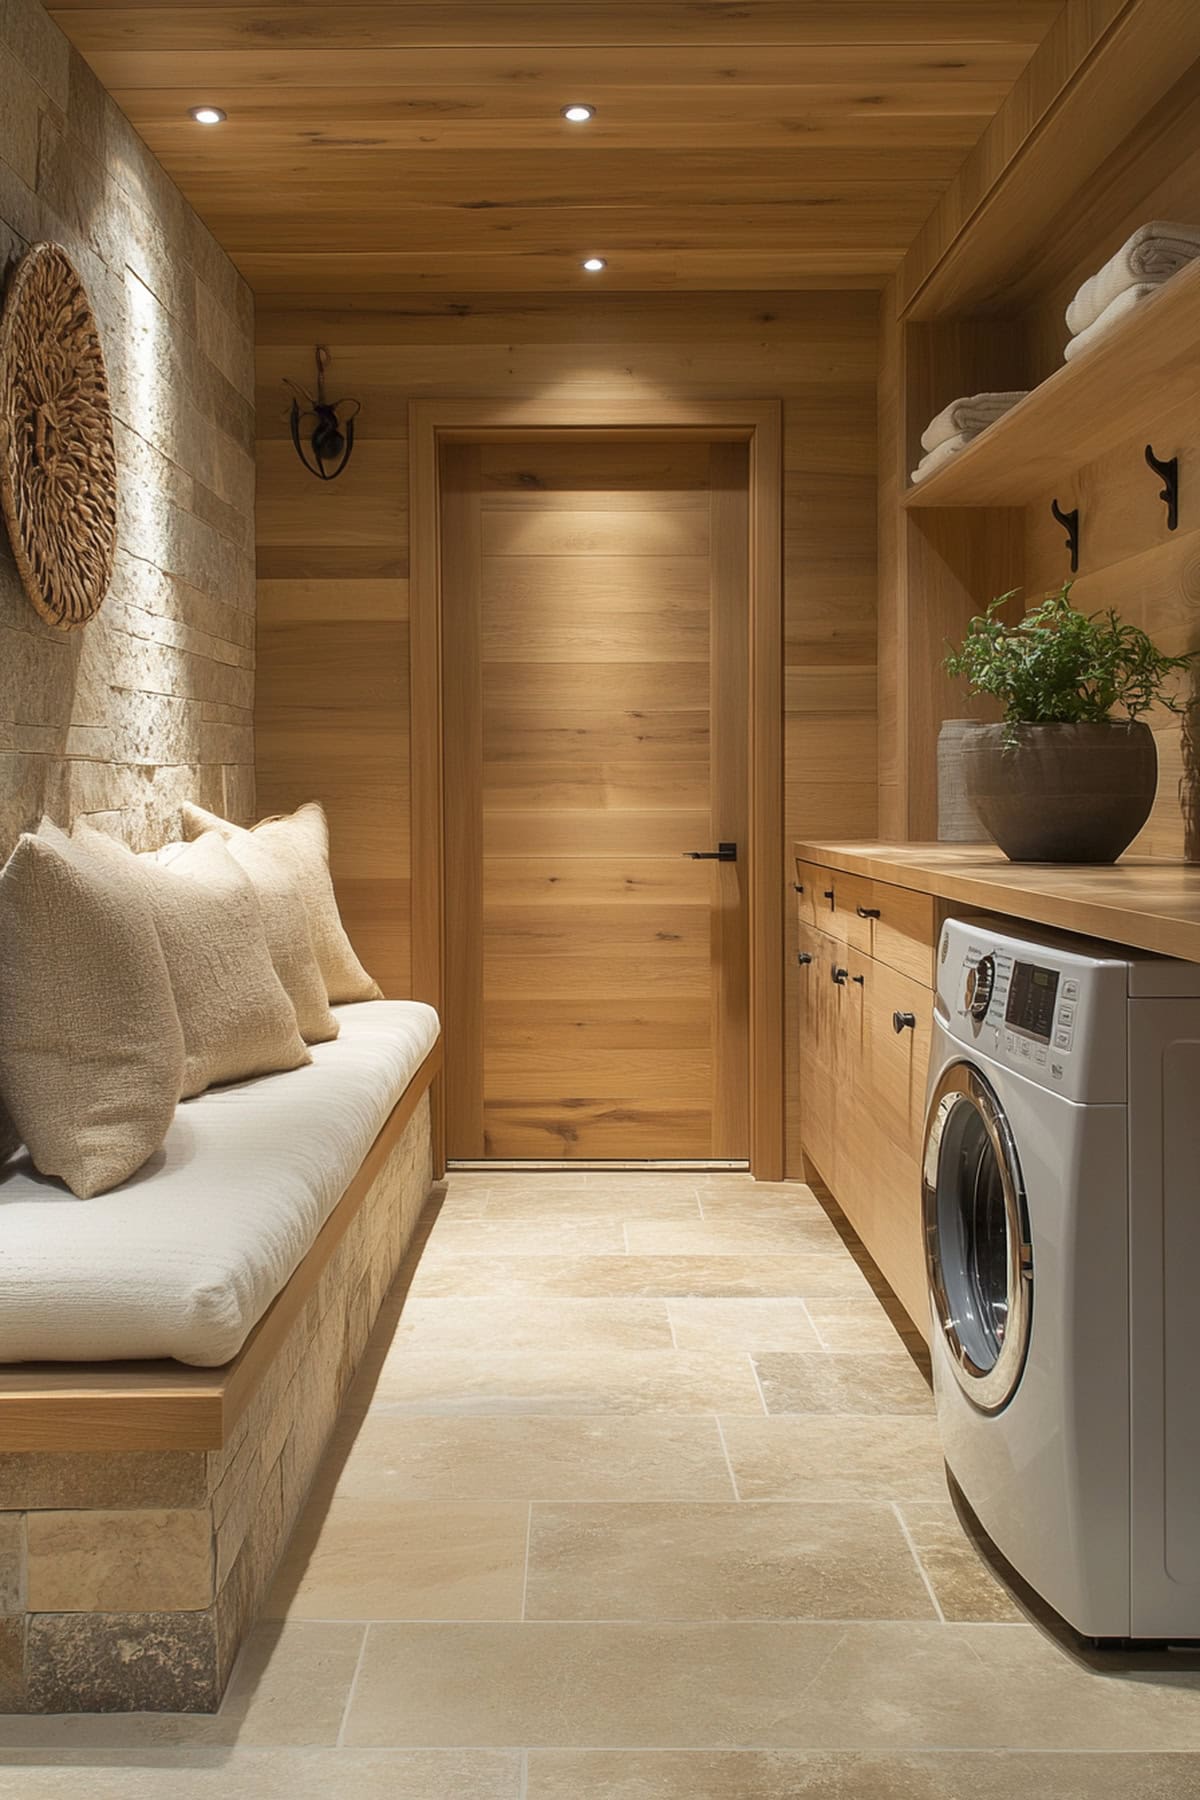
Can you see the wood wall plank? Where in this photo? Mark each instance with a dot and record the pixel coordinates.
(816, 351)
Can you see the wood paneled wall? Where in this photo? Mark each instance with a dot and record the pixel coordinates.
(332, 703)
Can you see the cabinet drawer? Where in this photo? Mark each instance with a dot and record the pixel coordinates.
(851, 913)
(905, 933)
(810, 883)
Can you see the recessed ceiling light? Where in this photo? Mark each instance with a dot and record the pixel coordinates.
(207, 115)
(578, 113)
(594, 264)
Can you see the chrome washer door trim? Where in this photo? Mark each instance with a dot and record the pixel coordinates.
(990, 1389)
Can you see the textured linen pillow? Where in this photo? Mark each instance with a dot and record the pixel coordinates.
(236, 1017)
(301, 842)
(91, 1052)
(285, 921)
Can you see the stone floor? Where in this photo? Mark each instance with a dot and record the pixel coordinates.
(638, 1497)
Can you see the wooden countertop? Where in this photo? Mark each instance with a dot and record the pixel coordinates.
(1147, 904)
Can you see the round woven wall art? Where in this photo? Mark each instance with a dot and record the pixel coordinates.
(58, 466)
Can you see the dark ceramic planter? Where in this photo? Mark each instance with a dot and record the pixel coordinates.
(1062, 793)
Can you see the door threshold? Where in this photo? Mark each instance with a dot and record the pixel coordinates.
(520, 1167)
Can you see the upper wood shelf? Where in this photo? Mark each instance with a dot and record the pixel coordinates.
(1083, 410)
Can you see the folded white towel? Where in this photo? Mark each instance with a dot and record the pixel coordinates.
(1153, 254)
(970, 415)
(937, 459)
(1126, 302)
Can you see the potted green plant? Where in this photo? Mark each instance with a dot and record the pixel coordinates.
(1069, 774)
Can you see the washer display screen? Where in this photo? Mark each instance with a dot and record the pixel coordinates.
(1031, 996)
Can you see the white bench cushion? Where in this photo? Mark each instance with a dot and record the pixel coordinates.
(184, 1258)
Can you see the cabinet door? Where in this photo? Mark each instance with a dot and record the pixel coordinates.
(897, 1055)
(818, 1049)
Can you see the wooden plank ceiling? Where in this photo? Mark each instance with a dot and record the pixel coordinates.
(400, 145)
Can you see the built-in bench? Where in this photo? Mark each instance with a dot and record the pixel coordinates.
(144, 1504)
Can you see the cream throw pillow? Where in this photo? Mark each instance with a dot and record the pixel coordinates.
(285, 921)
(236, 1017)
(301, 842)
(91, 1051)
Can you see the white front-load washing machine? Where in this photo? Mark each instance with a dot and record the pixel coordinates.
(1062, 1238)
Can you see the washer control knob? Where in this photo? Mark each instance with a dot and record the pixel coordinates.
(980, 982)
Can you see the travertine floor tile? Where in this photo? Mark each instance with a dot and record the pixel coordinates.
(533, 1322)
(842, 1384)
(965, 1587)
(831, 1458)
(815, 1775)
(863, 1325)
(603, 1457)
(757, 1561)
(669, 1277)
(568, 1381)
(791, 1233)
(537, 1684)
(989, 1686)
(290, 1687)
(632, 1197)
(742, 1325)
(266, 1775)
(386, 1558)
(558, 1236)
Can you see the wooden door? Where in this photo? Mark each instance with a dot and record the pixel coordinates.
(595, 656)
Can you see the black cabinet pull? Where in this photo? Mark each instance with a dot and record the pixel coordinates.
(867, 912)
(840, 975)
(903, 1021)
(722, 853)
(803, 957)
(861, 980)
(799, 886)
(828, 894)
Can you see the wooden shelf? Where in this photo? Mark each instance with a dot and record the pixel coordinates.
(1146, 904)
(1083, 410)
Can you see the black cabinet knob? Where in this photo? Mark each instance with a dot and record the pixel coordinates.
(799, 886)
(803, 957)
(828, 893)
(867, 912)
(904, 1021)
(841, 976)
(861, 980)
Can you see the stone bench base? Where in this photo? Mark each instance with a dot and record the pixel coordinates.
(128, 1580)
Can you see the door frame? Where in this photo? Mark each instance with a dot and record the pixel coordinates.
(757, 423)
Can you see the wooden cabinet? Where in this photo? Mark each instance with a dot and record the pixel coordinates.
(866, 972)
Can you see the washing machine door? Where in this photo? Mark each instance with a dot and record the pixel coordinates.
(977, 1249)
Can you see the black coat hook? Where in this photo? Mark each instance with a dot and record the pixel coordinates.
(1070, 524)
(1168, 473)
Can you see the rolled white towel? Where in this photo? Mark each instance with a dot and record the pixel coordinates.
(1153, 254)
(970, 415)
(937, 459)
(1114, 312)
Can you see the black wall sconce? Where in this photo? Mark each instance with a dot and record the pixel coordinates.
(324, 446)
(1167, 471)
(1070, 524)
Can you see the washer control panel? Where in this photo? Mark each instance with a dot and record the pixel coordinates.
(1056, 1015)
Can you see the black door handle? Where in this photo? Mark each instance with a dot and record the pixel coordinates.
(722, 853)
(903, 1022)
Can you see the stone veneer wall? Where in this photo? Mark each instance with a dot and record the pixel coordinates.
(128, 1581)
(152, 702)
